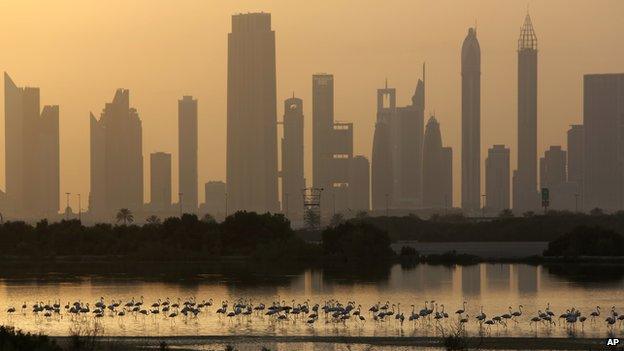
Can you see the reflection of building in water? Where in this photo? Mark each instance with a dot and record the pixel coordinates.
(434, 277)
(527, 278)
(470, 279)
(497, 276)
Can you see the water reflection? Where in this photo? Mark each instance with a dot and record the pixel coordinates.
(493, 286)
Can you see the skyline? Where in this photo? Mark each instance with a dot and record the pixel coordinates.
(362, 114)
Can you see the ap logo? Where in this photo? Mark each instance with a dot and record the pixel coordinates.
(613, 342)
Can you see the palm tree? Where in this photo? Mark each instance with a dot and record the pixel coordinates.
(153, 219)
(125, 215)
(312, 219)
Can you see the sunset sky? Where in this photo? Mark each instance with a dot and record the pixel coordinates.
(79, 52)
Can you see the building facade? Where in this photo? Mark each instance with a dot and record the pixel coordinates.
(497, 179)
(187, 158)
(160, 181)
(293, 181)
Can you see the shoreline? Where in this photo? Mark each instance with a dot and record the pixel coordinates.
(491, 343)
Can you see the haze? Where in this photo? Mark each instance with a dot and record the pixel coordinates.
(78, 53)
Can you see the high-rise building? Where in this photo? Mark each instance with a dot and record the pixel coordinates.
(575, 154)
(187, 157)
(215, 198)
(332, 147)
(525, 195)
(359, 184)
(471, 122)
(31, 153)
(116, 158)
(603, 108)
(384, 141)
(497, 187)
(437, 168)
(252, 115)
(553, 167)
(160, 181)
(293, 180)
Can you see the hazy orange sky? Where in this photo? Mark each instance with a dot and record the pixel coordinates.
(79, 52)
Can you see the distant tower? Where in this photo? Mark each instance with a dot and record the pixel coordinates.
(603, 108)
(525, 195)
(187, 158)
(382, 163)
(359, 184)
(116, 158)
(251, 115)
(437, 168)
(31, 153)
(471, 121)
(497, 189)
(553, 167)
(576, 142)
(293, 180)
(160, 181)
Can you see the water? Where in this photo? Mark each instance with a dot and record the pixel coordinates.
(493, 286)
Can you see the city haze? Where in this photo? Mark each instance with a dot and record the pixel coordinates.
(79, 53)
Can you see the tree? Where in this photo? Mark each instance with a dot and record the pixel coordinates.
(596, 212)
(356, 241)
(361, 215)
(153, 219)
(311, 219)
(125, 215)
(208, 218)
(506, 213)
(337, 219)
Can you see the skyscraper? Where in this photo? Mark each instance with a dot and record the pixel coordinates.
(497, 188)
(187, 148)
(575, 154)
(332, 147)
(437, 168)
(525, 195)
(603, 108)
(553, 167)
(383, 155)
(116, 158)
(252, 114)
(359, 184)
(31, 153)
(471, 121)
(293, 180)
(160, 181)
(215, 194)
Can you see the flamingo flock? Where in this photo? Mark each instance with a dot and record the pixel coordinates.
(349, 313)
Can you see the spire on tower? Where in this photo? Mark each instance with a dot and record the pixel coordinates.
(528, 39)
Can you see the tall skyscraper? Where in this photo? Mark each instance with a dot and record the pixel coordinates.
(215, 194)
(160, 181)
(332, 147)
(31, 153)
(384, 141)
(116, 158)
(252, 114)
(293, 180)
(603, 108)
(497, 187)
(575, 154)
(437, 168)
(471, 121)
(359, 184)
(525, 195)
(187, 157)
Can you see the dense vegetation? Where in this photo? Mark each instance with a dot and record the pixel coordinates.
(265, 236)
(356, 241)
(16, 340)
(529, 227)
(587, 241)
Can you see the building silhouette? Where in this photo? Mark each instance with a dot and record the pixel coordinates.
(215, 199)
(116, 158)
(603, 108)
(31, 153)
(293, 181)
(497, 187)
(383, 161)
(332, 147)
(525, 194)
(576, 137)
(187, 158)
(437, 168)
(397, 149)
(553, 167)
(160, 182)
(252, 114)
(471, 121)
(359, 184)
